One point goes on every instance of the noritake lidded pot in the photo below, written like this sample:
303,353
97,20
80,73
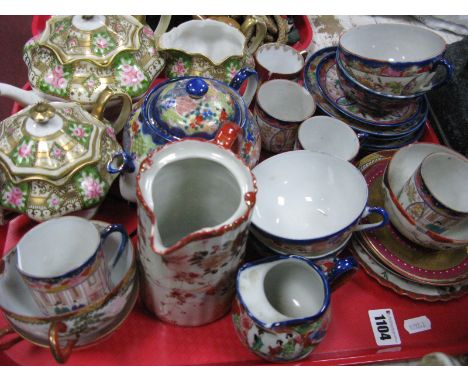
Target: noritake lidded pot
54,157
77,57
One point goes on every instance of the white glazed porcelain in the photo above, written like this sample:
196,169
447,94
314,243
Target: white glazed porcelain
281,106
310,202
63,271
76,329
195,200
328,135
275,61
401,167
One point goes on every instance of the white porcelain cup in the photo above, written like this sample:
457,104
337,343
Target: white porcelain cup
275,61
63,263
328,135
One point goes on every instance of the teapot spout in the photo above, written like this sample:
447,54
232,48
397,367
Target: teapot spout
24,97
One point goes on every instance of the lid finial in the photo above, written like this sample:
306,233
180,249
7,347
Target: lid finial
42,112
196,87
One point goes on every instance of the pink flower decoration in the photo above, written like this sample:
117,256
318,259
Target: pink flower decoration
101,42
148,32
25,150
79,132
57,152
131,76
110,132
92,188
55,77
179,68
388,71
14,197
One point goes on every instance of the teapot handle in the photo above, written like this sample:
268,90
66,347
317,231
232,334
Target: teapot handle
248,24
60,354
24,97
251,76
100,106
161,28
229,137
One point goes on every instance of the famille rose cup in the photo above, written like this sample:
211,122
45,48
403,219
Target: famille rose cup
282,307
328,135
278,61
281,106
63,264
435,195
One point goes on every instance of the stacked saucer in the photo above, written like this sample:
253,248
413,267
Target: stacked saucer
400,264
376,80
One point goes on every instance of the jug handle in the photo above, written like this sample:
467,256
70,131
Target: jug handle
23,97
60,354
248,24
8,344
161,28
251,76
100,106
341,267
229,137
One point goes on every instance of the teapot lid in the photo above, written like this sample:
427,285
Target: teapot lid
97,38
192,107
48,141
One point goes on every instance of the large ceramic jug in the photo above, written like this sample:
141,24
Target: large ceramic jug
195,200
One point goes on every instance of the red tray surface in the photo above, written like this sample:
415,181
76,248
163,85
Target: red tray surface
144,340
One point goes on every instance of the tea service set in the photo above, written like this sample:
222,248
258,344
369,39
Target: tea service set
189,159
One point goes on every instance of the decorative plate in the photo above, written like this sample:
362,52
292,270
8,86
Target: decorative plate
415,263
400,285
330,86
310,83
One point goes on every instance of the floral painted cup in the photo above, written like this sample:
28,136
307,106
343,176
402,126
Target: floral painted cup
394,59
278,61
435,195
282,307
281,106
62,262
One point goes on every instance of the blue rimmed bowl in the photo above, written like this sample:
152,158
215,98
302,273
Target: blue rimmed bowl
310,203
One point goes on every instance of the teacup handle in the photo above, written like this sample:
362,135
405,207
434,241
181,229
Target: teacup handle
229,137
123,244
448,73
252,77
61,354
340,268
100,106
369,210
261,31
8,344
127,164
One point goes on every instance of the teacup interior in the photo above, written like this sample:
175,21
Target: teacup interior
328,135
193,194
285,100
446,177
304,195
294,289
393,42
210,38
56,247
280,59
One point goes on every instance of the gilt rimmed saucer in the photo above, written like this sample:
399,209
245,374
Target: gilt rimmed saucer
415,263
310,83
85,326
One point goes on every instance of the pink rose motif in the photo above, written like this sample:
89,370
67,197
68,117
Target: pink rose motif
25,150
72,42
246,322
57,153
53,201
92,188
79,132
101,43
55,78
179,68
14,197
131,75
148,32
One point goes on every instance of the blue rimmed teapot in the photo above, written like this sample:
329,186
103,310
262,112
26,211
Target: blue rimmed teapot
190,107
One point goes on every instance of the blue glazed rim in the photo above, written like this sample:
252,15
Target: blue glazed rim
155,124
372,91
359,130
332,56
297,321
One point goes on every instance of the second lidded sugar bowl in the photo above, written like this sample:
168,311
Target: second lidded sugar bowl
54,157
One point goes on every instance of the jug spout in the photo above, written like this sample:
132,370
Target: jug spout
23,97
195,201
